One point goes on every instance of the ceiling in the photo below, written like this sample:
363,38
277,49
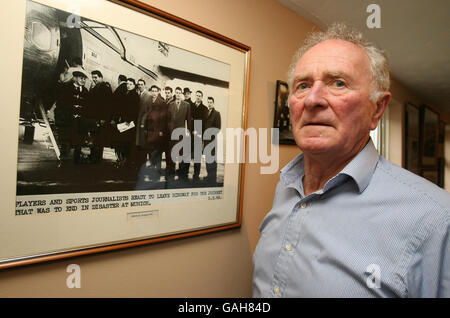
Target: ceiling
414,33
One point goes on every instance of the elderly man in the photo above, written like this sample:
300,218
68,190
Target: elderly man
345,222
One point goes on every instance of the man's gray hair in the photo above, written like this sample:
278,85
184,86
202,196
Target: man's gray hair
379,64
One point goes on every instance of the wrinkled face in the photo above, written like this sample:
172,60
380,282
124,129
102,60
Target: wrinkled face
329,101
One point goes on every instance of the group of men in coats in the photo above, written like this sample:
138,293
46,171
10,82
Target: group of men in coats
91,119
159,117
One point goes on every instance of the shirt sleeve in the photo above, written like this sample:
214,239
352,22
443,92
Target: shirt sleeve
429,271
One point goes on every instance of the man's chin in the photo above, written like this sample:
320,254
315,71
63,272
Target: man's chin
314,145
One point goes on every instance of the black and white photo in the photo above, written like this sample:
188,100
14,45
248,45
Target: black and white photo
112,127
97,112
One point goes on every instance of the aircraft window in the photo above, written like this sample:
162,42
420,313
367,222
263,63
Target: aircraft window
41,36
104,32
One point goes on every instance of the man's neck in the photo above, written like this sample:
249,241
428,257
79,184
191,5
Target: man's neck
319,168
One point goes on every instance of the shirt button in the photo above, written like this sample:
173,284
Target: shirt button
288,247
276,290
303,205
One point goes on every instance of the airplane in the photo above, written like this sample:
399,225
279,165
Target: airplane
50,46
54,38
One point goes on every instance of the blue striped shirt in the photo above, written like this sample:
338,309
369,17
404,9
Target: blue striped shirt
374,230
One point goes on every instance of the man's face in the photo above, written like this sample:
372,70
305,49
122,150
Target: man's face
130,85
178,94
96,79
199,97
154,92
141,86
80,80
329,102
168,93
187,95
210,103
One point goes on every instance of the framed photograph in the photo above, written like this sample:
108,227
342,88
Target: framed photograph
282,119
430,137
412,138
114,132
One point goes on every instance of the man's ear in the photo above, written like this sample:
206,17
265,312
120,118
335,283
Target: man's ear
382,103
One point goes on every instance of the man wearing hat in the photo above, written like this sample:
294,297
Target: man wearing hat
70,108
187,96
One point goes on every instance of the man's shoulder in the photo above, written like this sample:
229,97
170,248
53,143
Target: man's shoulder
398,180
68,85
146,94
183,104
215,116
202,107
169,101
105,84
104,87
121,89
159,100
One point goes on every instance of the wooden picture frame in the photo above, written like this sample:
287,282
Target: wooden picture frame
48,213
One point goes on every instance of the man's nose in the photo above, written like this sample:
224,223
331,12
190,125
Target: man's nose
316,96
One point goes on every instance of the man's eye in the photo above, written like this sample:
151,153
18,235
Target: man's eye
339,83
302,86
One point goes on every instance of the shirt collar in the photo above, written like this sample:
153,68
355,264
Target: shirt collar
360,169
